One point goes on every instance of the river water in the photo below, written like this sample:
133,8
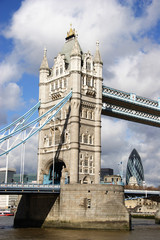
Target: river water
143,229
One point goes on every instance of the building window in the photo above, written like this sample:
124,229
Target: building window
56,71
89,139
64,82
56,84
84,113
61,70
85,139
88,65
60,83
57,137
88,81
86,162
89,115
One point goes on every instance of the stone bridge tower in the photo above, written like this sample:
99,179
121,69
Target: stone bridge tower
73,140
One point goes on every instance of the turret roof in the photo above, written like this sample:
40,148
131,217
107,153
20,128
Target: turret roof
44,64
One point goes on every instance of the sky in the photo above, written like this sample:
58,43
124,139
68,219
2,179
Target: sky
129,36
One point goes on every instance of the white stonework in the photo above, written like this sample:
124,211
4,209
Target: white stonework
74,138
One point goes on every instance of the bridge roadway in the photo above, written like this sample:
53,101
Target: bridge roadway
21,189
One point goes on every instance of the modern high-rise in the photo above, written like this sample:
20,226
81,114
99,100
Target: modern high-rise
134,168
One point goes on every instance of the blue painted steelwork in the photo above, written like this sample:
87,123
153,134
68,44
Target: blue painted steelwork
130,107
61,104
20,121
57,106
130,98
132,113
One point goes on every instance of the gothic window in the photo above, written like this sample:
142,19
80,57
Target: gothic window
56,84
85,139
80,170
83,81
88,65
60,83
81,163
61,70
57,137
89,115
56,71
90,171
92,82
86,162
84,113
65,82
89,139
85,170
88,81
81,155
92,115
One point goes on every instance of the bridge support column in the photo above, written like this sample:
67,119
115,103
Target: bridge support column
91,206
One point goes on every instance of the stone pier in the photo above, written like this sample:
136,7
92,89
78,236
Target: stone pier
93,206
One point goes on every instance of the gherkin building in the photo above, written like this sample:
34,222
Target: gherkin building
135,168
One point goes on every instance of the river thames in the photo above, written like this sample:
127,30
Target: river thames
142,229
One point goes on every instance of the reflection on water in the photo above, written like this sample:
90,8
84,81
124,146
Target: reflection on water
143,229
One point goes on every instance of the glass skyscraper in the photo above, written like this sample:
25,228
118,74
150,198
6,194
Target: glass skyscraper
135,168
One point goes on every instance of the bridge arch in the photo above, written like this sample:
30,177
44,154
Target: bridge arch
58,166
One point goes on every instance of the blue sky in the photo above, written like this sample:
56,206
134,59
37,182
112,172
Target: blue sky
129,36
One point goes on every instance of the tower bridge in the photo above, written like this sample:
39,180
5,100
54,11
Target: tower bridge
69,151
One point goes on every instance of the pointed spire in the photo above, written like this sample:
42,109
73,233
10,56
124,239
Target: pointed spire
44,64
97,57
76,48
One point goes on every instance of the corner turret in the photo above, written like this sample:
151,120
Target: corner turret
98,61
43,75
44,64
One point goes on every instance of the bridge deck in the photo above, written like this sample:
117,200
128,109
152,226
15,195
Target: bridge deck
20,189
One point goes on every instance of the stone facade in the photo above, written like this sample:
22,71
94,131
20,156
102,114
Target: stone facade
89,206
70,146
74,138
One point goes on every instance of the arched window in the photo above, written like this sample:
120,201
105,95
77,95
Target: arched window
61,69
89,139
88,81
84,113
56,84
85,138
88,64
65,82
60,84
56,71
89,115
57,136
